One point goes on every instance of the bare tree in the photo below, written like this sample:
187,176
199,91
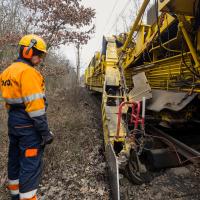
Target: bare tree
61,21
12,26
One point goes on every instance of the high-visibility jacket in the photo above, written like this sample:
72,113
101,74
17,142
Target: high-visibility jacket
22,88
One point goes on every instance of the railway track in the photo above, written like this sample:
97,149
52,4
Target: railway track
175,183
184,146
177,175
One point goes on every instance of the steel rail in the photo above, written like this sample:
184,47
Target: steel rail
183,149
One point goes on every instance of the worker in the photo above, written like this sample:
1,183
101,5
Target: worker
22,88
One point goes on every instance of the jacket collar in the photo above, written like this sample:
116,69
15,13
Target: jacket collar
19,59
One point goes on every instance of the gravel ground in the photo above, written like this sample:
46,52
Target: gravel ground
176,183
3,151
74,165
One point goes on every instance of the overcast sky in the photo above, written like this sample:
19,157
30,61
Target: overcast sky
111,16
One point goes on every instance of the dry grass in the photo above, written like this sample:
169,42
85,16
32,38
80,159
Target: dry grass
3,152
74,155
73,166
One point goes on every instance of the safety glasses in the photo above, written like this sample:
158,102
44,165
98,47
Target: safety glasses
43,55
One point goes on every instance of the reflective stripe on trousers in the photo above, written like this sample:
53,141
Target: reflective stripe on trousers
31,195
25,160
13,187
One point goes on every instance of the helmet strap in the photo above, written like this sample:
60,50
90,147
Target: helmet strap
31,45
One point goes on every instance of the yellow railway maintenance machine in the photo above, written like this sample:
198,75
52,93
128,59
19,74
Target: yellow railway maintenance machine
154,67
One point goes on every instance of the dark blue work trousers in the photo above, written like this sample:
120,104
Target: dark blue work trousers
20,166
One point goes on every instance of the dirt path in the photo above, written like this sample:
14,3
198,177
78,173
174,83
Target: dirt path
74,165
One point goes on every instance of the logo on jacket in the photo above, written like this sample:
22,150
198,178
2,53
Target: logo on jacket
6,83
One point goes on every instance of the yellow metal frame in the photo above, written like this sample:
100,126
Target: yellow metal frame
162,72
165,71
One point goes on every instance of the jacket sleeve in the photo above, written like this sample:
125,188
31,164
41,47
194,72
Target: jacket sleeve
33,97
7,106
41,125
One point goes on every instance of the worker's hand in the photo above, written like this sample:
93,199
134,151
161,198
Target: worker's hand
47,139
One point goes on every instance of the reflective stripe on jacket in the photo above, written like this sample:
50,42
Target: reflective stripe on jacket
22,88
21,83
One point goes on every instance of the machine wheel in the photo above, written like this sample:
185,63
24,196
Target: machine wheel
136,171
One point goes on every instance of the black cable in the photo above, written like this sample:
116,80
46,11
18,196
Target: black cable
190,68
159,33
196,13
157,21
